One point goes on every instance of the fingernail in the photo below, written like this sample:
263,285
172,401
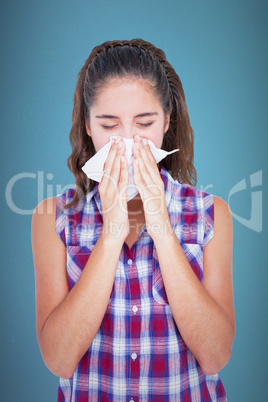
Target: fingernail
145,142
137,145
119,145
117,139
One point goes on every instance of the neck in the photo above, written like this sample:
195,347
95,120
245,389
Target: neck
135,206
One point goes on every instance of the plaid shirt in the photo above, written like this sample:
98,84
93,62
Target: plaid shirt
138,354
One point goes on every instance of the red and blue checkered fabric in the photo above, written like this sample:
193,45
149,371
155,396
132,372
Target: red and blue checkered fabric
138,354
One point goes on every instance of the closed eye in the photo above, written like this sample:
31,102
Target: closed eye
146,124
139,124
109,127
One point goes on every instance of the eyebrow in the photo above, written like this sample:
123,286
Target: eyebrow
108,116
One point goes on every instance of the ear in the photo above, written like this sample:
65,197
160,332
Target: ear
167,121
87,128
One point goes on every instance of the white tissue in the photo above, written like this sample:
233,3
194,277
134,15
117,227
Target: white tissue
93,168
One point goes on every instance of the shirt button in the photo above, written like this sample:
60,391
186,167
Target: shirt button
129,262
131,400
134,356
134,309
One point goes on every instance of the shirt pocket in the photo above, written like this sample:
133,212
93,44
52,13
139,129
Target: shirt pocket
77,257
194,255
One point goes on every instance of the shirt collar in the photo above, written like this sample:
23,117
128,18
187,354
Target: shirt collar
97,199
95,194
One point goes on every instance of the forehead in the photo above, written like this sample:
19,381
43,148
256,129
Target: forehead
126,89
128,80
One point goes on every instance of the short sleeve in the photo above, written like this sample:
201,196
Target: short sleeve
60,223
208,203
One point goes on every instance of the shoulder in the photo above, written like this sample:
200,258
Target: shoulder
44,213
44,235
175,190
181,191
50,216
47,206
49,212
48,226
223,225
222,211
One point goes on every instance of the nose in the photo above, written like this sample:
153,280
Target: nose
127,131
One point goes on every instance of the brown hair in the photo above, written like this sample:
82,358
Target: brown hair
140,59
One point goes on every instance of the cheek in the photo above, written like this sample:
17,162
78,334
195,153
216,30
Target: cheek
159,140
98,144
99,139
156,136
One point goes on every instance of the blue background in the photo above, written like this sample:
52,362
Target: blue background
219,49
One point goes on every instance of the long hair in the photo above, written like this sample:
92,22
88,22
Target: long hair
136,58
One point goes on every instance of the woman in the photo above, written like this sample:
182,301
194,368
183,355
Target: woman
144,313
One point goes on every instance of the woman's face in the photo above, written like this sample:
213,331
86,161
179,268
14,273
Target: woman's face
126,107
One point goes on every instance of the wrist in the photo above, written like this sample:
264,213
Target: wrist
110,244
162,233
114,239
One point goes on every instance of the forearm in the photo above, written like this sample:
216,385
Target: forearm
71,327
204,326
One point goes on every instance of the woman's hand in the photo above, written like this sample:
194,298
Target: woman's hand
113,193
151,188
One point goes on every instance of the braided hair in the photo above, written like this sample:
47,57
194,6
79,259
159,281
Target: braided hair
141,59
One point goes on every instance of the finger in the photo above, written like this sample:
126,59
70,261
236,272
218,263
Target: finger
142,149
138,180
109,163
144,167
146,151
116,166
148,164
148,159
123,181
